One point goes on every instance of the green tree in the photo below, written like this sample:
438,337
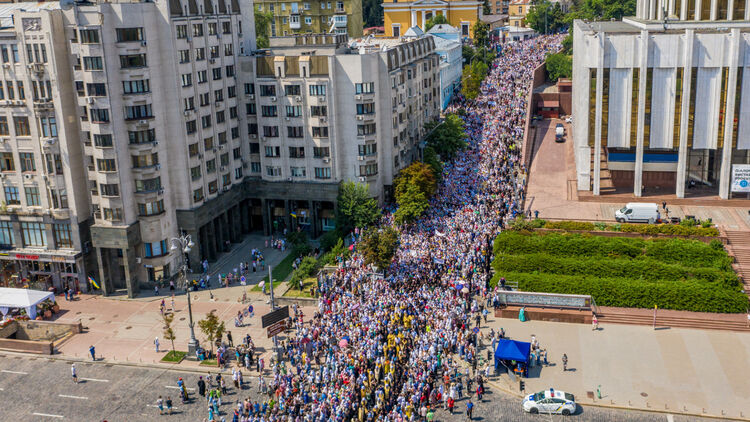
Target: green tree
372,13
431,158
262,28
435,20
419,175
168,334
472,78
481,34
559,65
212,328
411,205
446,137
545,17
307,268
486,8
601,10
567,43
356,208
378,246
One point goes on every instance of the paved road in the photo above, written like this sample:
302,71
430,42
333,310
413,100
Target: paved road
41,389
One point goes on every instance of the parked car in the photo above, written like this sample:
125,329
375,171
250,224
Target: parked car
550,401
634,212
559,133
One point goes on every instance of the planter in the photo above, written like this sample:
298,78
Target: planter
55,308
48,314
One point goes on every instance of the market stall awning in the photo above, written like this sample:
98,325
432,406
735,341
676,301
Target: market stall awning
22,298
512,350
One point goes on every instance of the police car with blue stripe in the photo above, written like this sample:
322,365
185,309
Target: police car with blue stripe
550,401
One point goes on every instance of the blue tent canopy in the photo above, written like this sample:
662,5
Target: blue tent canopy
513,350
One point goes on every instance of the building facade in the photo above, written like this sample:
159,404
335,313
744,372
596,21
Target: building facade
660,100
451,66
318,113
338,16
400,16
517,12
499,7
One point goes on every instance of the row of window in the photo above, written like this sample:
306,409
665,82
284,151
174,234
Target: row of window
291,110
292,131
320,172
199,54
186,79
47,126
211,27
35,234
270,90
294,152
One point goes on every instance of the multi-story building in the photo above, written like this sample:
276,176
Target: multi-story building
45,214
451,64
660,100
319,112
314,16
517,12
499,7
400,16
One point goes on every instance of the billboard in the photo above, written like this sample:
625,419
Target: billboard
741,178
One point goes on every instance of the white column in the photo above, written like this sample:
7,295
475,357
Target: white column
424,21
715,9
725,176
598,114
445,13
683,10
670,8
413,18
747,10
642,79
687,76
698,7
730,10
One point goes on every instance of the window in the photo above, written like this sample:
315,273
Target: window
213,187
238,173
321,152
214,51
396,30
151,208
212,28
148,185
113,214
218,95
4,53
320,131
295,131
233,112
252,128
235,132
200,54
255,167
129,34
89,36
368,170
34,234
204,98
11,195
202,76
195,173
224,159
267,90
231,91
156,248
11,92
184,56
4,129
226,27
367,108
318,110
318,90
21,93
230,71
190,127
106,164
254,148
293,111
189,103
250,109
206,121
364,88
268,111
368,149
220,117
211,166
187,79
298,171
54,164
216,72
99,115
249,89
36,53
112,189
130,61
193,149
237,153
147,160
368,129
14,53
6,233
465,28
63,238
228,49
296,152
273,151
181,31
48,126
136,87
138,112
197,29
6,162
142,136
27,161
92,63
271,131
291,89
322,172
273,171
96,90
198,195
102,140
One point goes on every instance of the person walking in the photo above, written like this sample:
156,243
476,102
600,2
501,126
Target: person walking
92,350
160,405
565,362
74,372
201,386
156,344
229,339
469,409
169,405
594,323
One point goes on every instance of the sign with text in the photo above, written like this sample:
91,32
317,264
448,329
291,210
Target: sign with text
276,328
741,178
275,316
550,300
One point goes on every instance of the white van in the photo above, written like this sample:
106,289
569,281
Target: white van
634,212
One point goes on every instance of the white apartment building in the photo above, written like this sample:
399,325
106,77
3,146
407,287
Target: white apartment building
660,100
319,112
451,68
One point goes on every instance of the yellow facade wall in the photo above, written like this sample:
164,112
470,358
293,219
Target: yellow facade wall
403,17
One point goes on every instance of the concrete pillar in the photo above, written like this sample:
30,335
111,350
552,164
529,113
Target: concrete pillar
102,280
730,10
698,7
683,10
715,9
245,216
725,176
642,79
424,20
413,18
129,282
287,217
685,113
264,215
598,123
747,10
194,256
312,218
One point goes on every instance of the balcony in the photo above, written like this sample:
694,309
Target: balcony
339,21
294,21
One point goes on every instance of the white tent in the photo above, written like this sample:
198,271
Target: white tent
22,298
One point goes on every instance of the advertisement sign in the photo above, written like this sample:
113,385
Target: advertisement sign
741,178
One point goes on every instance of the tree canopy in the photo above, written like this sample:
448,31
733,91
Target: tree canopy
378,246
545,17
435,20
212,327
601,10
411,204
356,208
262,28
372,13
419,175
447,137
559,65
481,34
431,159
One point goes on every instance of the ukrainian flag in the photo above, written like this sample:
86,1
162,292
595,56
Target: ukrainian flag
293,214
93,282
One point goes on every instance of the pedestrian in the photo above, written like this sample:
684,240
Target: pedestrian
229,339
664,205
169,405
156,344
74,372
565,362
160,405
156,290
594,323
536,214
93,352
171,285
469,408
66,293
201,386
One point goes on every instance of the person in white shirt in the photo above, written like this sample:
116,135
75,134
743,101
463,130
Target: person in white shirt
74,372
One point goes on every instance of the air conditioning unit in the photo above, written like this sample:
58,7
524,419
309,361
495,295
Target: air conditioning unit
28,176
186,113
251,96
322,99
288,179
225,189
142,122
90,100
156,143
327,159
214,150
362,179
222,169
6,65
360,117
161,191
143,43
361,158
273,99
359,97
158,166
286,118
298,98
254,135
322,119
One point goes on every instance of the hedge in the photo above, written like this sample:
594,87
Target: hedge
685,252
647,229
678,295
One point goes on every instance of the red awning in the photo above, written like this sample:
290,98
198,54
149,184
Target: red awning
549,104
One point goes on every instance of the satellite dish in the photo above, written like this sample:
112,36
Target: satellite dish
66,4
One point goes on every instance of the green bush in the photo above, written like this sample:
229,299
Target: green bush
670,229
520,223
570,225
331,257
307,268
678,295
329,239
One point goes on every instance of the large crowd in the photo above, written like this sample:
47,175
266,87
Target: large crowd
394,348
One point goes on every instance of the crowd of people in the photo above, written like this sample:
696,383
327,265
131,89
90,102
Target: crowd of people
398,347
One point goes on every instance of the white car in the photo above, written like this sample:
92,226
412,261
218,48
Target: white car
550,401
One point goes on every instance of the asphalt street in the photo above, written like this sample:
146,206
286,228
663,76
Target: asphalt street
42,389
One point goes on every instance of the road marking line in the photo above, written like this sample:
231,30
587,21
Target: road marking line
177,388
165,407
48,415
73,397
14,372
93,379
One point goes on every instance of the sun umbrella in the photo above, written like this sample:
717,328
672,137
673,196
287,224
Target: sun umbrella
343,343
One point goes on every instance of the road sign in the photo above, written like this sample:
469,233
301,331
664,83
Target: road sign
275,316
250,309
276,328
476,330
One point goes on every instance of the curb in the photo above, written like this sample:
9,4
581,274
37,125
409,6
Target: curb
640,409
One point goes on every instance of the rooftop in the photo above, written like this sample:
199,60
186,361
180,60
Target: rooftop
443,28
8,9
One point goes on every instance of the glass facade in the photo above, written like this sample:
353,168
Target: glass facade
722,107
677,107
634,108
647,113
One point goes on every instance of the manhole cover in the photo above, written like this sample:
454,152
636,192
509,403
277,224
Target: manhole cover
128,327
182,319
644,394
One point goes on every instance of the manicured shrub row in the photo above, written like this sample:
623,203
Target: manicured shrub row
688,253
671,229
678,295
642,268
647,229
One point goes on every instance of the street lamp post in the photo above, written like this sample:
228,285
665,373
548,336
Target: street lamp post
184,244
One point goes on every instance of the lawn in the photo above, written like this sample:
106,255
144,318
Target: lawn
625,272
305,292
209,362
280,272
174,356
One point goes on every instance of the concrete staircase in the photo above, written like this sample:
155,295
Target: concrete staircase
605,181
674,319
739,247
